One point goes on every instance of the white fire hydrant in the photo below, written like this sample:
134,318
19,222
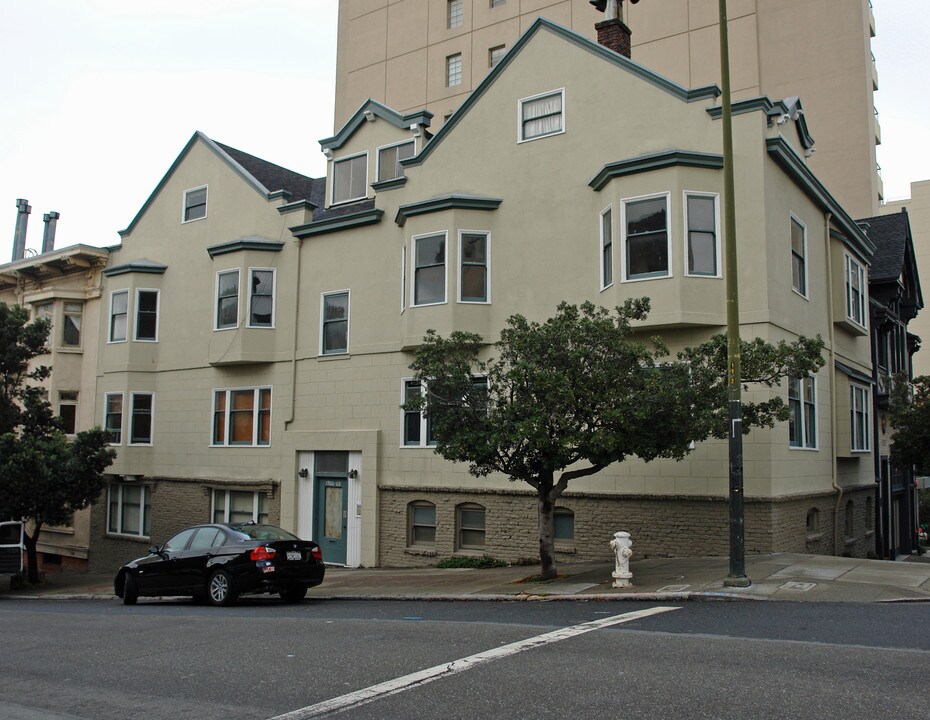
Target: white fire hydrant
623,551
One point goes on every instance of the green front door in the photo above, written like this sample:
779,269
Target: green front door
331,504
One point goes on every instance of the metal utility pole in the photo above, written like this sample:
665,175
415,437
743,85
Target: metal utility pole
737,576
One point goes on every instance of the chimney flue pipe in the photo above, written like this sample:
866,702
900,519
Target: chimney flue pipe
48,237
19,236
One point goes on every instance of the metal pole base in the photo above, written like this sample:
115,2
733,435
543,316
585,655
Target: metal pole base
740,581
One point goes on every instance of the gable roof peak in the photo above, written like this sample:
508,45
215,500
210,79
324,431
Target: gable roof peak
264,177
369,111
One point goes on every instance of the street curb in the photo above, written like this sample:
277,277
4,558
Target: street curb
473,597
533,597
696,596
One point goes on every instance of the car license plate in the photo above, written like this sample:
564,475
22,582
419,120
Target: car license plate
293,555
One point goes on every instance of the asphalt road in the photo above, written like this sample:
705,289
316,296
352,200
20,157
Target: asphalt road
62,660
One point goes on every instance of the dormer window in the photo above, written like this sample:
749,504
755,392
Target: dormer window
350,179
195,204
389,158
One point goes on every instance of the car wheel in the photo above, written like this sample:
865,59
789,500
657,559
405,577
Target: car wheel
294,594
220,588
130,589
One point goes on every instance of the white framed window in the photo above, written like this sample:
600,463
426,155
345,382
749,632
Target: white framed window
261,297
454,11
702,234
67,412
43,310
350,179
429,269
802,403
141,418
238,506
607,247
454,70
119,316
227,299
646,238
242,416
195,204
855,291
71,324
541,115
128,509
470,520
421,523
859,418
113,417
334,323
496,54
798,256
474,264
146,329
389,158
417,430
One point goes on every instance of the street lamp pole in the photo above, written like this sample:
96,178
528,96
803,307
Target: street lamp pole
737,576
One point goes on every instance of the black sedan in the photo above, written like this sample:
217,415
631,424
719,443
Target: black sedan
220,562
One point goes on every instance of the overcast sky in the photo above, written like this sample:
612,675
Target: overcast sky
99,97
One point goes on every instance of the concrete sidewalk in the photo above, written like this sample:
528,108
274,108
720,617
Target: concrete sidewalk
780,576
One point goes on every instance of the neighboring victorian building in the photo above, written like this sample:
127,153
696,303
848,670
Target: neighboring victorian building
918,215
260,324
64,286
431,54
896,298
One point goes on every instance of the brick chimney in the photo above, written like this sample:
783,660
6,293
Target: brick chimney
612,32
19,236
48,237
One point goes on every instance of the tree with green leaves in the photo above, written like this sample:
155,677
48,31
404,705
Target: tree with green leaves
44,476
909,411
563,399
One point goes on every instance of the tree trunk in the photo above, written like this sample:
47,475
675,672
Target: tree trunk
32,555
546,505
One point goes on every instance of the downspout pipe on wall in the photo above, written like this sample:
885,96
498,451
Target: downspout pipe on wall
290,419
832,336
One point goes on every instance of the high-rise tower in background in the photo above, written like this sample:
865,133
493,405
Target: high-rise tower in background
412,54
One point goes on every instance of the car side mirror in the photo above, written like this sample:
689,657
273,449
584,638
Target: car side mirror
154,550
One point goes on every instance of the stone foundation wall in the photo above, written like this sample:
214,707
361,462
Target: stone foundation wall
175,505
50,563
660,526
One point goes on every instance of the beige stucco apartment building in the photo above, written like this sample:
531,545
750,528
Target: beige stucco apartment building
413,54
259,325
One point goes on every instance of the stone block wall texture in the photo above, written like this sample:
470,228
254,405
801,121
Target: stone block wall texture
660,526
175,505
50,564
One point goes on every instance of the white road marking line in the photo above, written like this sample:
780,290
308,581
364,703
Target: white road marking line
417,679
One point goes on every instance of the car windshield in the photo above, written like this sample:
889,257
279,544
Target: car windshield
263,532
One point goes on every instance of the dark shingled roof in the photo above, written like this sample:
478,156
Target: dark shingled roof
322,213
890,234
274,177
